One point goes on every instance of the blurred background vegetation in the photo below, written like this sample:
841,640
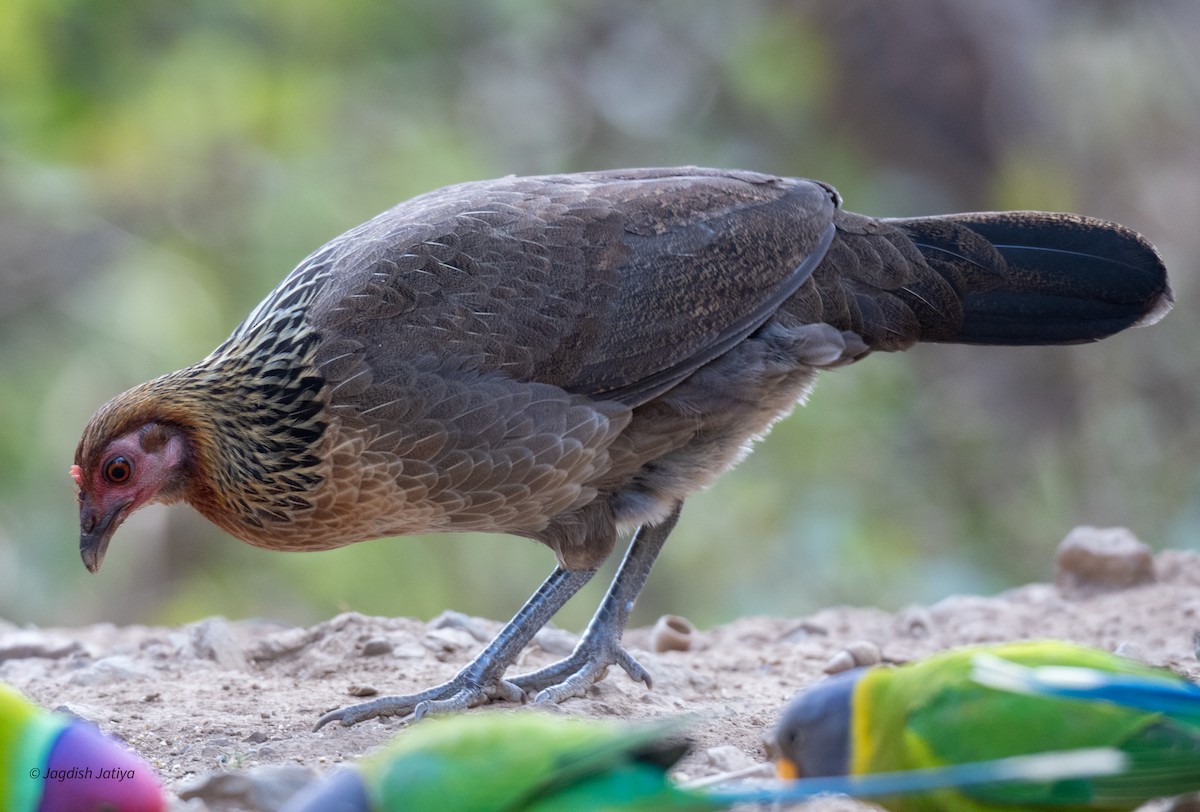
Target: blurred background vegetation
163,165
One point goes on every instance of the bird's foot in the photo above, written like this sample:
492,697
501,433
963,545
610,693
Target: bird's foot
482,680
466,690
586,665
600,645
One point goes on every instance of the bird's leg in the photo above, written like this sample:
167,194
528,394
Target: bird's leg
600,645
482,678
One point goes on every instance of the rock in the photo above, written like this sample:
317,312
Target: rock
88,713
194,805
212,639
449,640
20,645
259,789
281,644
457,620
672,633
109,670
555,641
1093,560
1130,650
806,630
727,759
376,646
854,655
408,648
915,622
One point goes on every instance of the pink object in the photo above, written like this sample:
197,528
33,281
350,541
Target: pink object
89,772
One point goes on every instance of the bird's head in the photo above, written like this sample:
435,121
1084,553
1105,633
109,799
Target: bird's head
812,738
127,458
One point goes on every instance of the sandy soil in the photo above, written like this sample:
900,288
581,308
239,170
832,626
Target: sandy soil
216,707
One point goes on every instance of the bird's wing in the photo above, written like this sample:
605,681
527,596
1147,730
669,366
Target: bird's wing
961,719
1163,752
971,723
613,285
1163,693
707,259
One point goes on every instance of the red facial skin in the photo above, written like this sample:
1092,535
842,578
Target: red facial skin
136,469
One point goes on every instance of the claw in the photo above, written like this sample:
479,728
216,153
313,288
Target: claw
634,669
586,666
459,693
469,698
353,714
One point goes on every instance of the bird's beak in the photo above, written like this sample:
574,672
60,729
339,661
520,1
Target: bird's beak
95,530
787,769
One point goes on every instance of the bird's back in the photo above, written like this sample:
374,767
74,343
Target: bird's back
934,712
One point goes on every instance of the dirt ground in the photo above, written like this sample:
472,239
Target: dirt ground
224,711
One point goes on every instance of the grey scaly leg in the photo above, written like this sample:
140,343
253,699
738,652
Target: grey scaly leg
600,645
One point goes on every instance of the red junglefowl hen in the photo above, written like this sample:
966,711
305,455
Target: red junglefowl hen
567,357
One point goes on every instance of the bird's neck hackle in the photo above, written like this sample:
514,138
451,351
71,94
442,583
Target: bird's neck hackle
253,415
266,425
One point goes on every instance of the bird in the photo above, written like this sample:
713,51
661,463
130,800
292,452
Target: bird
528,761
566,358
512,761
998,701
52,762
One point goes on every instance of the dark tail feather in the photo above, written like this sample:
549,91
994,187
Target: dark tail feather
1038,278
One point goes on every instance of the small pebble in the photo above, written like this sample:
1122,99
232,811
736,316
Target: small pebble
362,690
726,758
89,713
854,655
376,647
559,642
118,668
1092,560
258,789
1131,650
451,619
448,640
914,621
24,644
804,631
672,633
281,644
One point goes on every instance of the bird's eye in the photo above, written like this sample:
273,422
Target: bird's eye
118,470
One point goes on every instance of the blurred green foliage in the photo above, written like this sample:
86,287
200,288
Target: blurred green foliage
163,165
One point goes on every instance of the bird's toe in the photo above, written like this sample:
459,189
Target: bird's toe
572,676
458,694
